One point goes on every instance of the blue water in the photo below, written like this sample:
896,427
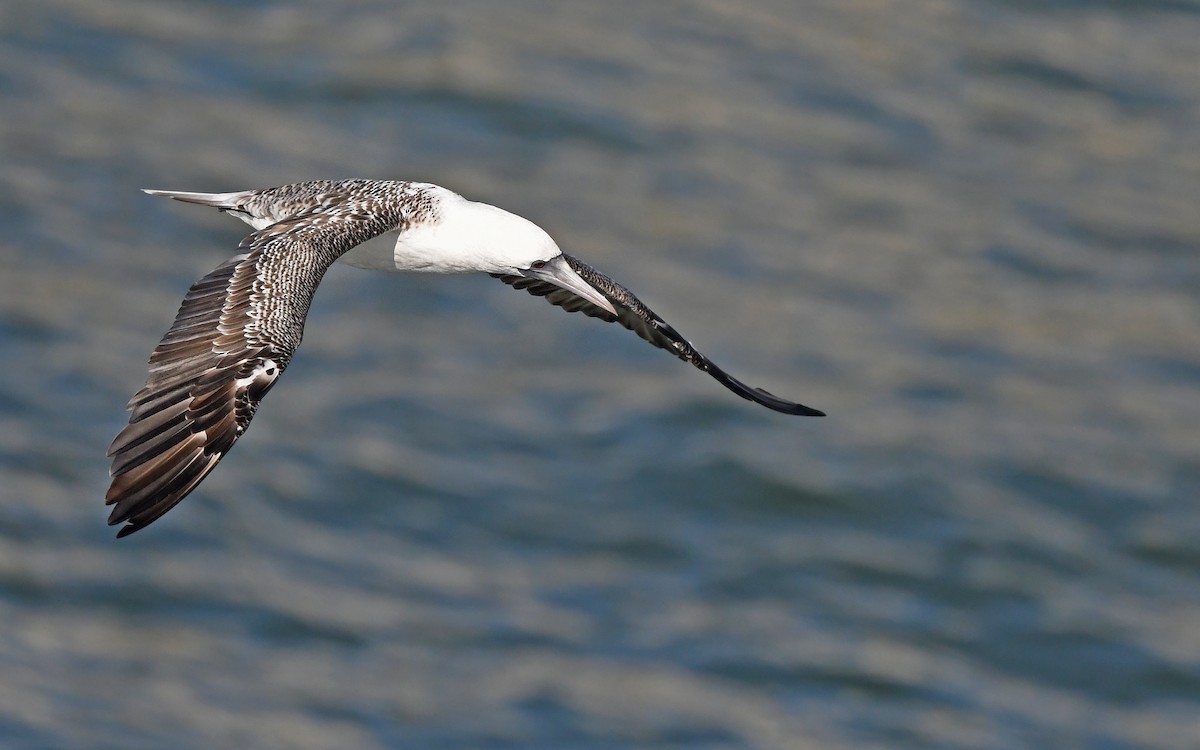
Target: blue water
968,231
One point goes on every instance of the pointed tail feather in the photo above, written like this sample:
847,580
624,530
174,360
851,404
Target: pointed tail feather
228,201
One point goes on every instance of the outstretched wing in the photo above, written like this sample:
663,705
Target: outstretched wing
643,321
232,338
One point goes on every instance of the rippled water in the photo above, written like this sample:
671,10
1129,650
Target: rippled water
967,230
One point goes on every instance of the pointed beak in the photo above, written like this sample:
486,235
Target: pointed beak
558,273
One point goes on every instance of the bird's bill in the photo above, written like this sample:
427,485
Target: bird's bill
557,272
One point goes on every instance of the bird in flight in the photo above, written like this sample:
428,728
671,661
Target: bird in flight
237,327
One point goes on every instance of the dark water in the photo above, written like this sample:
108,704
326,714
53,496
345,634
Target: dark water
967,230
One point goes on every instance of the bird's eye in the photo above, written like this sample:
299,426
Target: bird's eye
538,264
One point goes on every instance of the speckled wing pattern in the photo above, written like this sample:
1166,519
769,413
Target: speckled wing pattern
232,338
643,321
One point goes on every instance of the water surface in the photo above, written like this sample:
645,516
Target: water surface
967,230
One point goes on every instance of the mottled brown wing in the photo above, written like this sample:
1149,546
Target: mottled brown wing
643,321
232,338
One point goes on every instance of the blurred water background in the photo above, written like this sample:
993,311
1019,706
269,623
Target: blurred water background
968,230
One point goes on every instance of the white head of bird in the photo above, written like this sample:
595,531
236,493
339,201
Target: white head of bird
471,237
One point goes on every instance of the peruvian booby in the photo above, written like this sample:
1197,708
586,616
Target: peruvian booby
237,327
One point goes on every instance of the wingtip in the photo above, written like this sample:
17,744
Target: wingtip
789,407
115,518
799,410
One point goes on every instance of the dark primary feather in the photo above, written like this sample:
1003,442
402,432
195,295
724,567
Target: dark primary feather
643,321
233,336
190,412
